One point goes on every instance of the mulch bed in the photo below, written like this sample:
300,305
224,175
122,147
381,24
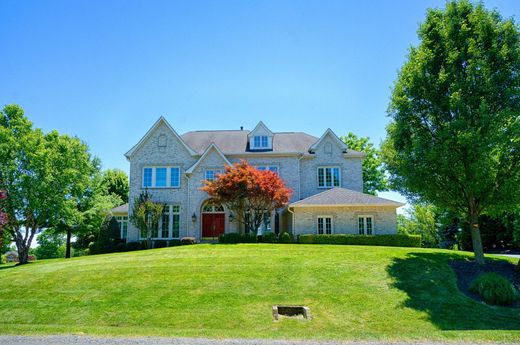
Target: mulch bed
467,271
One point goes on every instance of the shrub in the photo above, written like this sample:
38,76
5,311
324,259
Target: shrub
269,237
159,243
399,240
131,246
249,238
229,238
286,237
188,240
92,248
174,243
494,289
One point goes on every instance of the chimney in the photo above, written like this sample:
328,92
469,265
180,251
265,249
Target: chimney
241,128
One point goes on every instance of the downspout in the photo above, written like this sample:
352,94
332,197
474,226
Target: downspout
292,221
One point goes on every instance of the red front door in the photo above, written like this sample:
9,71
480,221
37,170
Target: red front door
212,224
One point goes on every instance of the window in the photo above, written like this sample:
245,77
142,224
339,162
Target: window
169,224
175,177
147,177
260,141
265,141
272,168
176,220
328,177
324,225
161,177
123,226
211,174
366,225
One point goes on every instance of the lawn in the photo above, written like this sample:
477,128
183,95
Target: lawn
224,291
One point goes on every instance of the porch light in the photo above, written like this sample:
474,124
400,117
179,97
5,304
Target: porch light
194,217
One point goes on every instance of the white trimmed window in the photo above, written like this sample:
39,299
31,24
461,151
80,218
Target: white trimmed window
273,168
123,226
328,177
161,177
366,225
169,224
261,141
212,174
324,225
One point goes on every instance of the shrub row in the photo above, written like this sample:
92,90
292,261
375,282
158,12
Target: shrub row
364,240
268,237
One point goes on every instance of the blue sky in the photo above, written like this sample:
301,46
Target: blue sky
106,70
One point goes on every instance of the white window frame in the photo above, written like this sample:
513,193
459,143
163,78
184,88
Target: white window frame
261,142
215,171
122,221
324,217
324,176
170,224
154,175
365,216
268,167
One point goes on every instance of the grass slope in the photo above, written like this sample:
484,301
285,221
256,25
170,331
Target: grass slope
354,292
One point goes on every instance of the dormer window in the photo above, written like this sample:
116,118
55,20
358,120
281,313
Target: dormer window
261,141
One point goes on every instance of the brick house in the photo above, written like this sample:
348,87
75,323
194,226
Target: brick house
324,174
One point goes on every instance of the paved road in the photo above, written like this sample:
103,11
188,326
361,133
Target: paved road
77,340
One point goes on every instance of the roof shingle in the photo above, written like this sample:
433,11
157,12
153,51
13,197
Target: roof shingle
344,197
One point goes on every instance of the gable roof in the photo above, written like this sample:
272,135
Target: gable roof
205,154
344,197
333,136
236,141
261,124
120,209
160,121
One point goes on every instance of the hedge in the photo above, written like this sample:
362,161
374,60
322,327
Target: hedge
363,240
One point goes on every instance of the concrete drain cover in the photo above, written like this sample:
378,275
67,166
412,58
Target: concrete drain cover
295,311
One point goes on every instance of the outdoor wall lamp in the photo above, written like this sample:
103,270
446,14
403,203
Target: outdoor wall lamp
194,217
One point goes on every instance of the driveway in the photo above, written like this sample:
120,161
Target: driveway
77,340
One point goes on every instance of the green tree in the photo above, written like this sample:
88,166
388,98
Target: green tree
49,244
115,182
454,135
146,215
109,236
374,178
43,174
420,219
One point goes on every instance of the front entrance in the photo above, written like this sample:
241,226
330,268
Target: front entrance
213,220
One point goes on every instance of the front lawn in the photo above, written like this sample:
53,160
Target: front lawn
353,292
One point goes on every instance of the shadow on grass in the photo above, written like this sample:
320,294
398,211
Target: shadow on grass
431,287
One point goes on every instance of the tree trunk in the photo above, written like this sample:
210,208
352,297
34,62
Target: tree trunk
67,249
23,252
475,236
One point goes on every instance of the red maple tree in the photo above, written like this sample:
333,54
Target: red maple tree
249,193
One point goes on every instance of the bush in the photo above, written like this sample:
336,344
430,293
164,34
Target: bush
364,240
174,243
494,289
131,246
229,238
269,237
249,238
286,237
160,244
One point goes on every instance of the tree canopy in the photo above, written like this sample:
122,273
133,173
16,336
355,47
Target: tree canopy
249,193
115,182
374,178
44,175
454,135
146,215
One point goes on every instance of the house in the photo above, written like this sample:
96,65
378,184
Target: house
324,174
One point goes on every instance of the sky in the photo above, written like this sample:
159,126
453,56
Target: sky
106,70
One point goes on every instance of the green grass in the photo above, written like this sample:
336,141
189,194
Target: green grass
225,291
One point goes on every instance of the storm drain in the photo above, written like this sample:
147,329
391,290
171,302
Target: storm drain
293,311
